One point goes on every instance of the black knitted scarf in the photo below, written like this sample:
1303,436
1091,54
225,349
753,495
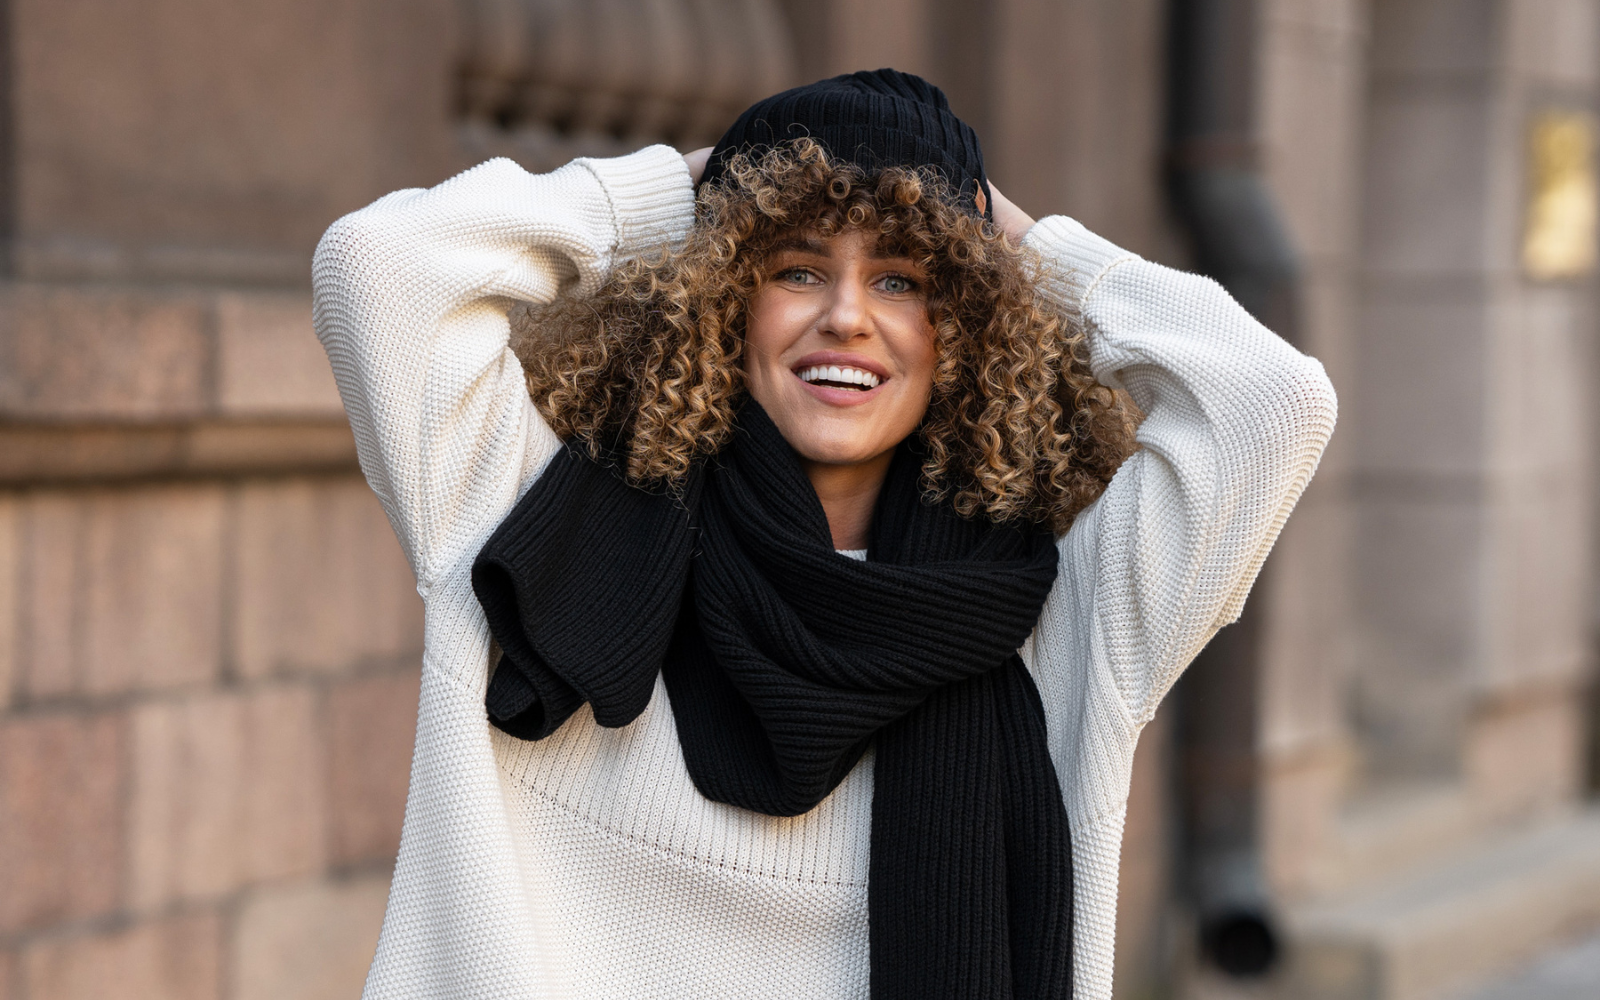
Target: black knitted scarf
784,660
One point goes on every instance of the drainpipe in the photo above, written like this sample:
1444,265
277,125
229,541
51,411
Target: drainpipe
1221,198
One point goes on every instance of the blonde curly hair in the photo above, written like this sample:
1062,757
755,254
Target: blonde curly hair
648,370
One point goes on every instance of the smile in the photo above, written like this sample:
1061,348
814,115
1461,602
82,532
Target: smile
839,377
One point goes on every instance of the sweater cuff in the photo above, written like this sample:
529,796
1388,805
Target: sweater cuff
652,201
1079,257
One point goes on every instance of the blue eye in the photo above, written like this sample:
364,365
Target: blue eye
797,276
898,284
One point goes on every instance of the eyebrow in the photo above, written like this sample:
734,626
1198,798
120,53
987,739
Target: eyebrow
814,244
804,244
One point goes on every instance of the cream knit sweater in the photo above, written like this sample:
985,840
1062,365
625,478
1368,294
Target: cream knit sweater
587,865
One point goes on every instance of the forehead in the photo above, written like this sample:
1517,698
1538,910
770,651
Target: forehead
849,243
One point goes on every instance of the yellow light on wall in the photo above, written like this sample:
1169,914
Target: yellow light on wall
1564,203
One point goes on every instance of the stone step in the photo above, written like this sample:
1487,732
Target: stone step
1571,972
1383,835
1438,928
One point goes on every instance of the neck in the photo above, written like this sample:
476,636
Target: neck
849,493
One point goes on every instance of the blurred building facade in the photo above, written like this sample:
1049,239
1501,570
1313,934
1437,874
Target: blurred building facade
209,641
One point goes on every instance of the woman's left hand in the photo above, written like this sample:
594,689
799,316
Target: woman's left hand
697,161
1008,218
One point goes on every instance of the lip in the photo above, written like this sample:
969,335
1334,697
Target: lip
840,397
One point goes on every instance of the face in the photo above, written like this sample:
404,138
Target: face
839,350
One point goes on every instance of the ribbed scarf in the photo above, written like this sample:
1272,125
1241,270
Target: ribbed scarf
784,660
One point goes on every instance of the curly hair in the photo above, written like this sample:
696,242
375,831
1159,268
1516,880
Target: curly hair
648,370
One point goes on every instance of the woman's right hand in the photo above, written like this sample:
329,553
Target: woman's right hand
697,161
1008,218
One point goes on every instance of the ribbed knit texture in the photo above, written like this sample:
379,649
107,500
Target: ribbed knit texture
874,119
785,660
587,864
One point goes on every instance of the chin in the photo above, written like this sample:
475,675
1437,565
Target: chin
815,444
837,435
833,453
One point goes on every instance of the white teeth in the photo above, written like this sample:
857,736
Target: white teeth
842,374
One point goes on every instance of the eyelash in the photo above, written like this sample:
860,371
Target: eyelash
911,283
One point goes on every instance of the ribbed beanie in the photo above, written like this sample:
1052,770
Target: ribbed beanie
882,118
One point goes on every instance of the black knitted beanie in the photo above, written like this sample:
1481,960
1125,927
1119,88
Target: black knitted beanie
875,119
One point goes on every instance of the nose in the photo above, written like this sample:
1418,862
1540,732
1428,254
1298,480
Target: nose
849,312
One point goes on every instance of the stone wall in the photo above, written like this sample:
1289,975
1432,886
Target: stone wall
205,737
208,637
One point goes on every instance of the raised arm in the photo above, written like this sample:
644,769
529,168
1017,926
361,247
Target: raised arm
1236,421
411,299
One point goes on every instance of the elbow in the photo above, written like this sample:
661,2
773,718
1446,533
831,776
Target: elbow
359,253
336,252
1319,401
1308,410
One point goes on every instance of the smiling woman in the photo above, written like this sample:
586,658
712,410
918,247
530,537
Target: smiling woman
794,601
840,352
800,260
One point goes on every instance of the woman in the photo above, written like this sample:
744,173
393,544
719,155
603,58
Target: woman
797,566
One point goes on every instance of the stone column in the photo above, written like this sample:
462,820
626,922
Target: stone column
1311,114
1472,493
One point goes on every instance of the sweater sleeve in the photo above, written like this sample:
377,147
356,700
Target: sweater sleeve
411,301
1235,424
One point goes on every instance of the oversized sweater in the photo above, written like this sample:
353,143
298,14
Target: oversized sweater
587,865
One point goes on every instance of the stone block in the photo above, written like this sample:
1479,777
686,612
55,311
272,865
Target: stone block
122,590
71,352
311,941
1344,17
1029,131
172,959
1540,584
10,604
1305,589
226,791
1421,371
269,362
1312,84
1427,182
1450,923
152,598
321,581
1418,614
62,786
186,139
49,642
1556,42
1301,792
891,33
371,728
1524,752
1434,38
1540,405
1105,146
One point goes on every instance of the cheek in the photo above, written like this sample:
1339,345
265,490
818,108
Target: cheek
918,353
769,329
